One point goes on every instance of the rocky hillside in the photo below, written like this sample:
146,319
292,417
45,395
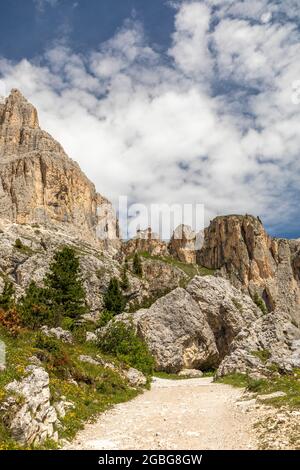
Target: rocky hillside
241,249
39,183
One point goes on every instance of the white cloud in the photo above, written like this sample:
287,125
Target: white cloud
160,127
42,4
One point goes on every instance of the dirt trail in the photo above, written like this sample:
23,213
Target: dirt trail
174,414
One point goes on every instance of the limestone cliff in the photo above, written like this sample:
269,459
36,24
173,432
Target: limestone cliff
242,250
39,183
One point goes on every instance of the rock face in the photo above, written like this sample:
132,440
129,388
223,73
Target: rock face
271,340
193,328
145,241
28,413
183,244
39,183
242,250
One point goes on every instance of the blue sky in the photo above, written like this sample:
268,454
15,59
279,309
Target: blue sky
188,101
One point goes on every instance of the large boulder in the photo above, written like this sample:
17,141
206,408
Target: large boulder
192,328
268,344
27,412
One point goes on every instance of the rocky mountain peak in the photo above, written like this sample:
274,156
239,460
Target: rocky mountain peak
39,183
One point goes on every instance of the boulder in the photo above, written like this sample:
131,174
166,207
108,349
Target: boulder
191,373
193,328
271,342
134,377
27,412
58,333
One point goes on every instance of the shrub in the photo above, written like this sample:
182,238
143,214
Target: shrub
125,281
114,300
121,341
18,244
11,321
34,308
137,265
7,299
64,284
260,303
105,318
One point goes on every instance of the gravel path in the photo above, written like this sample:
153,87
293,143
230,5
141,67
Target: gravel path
174,414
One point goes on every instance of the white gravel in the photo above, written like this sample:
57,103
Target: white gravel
174,414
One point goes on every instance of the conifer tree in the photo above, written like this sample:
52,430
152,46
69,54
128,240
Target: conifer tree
7,297
137,265
64,285
114,300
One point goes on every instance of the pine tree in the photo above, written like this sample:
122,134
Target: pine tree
34,308
64,284
7,297
137,265
114,300
124,280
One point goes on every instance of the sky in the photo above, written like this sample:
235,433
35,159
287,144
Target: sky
168,102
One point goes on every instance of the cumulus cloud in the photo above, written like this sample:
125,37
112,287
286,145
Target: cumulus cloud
209,121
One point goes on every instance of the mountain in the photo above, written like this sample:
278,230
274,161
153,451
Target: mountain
39,183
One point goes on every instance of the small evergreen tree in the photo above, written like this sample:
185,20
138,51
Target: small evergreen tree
114,300
34,308
137,265
124,280
7,299
64,285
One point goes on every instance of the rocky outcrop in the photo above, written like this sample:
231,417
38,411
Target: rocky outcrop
193,328
58,333
183,244
27,412
145,241
243,252
271,343
40,184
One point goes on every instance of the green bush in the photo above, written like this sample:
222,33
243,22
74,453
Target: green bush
7,299
137,265
121,341
105,318
34,308
260,303
114,300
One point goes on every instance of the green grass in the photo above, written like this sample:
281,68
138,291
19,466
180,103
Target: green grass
289,383
97,390
263,354
190,270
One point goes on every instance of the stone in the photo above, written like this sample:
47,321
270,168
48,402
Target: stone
270,396
193,328
134,377
190,373
27,412
90,360
91,337
58,333
268,344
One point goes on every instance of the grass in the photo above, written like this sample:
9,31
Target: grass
97,388
289,384
190,270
